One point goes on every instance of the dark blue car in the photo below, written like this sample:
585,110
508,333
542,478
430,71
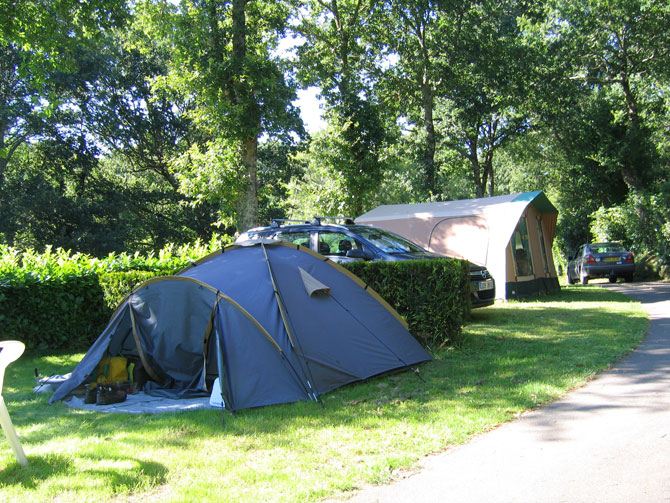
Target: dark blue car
350,242
601,260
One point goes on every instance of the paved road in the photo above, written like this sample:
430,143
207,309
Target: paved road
606,442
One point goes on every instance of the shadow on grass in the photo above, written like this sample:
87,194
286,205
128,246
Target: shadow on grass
123,473
39,469
577,293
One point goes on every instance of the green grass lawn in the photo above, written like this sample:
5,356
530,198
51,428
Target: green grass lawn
516,356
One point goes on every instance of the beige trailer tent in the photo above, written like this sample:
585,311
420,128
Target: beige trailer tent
511,235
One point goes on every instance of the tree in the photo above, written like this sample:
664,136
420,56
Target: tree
277,165
21,116
54,30
222,65
484,103
335,56
622,48
423,35
606,110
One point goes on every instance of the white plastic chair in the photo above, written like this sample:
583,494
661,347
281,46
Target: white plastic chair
9,352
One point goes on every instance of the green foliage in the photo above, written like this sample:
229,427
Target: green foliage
278,163
321,189
611,224
221,63
129,125
641,223
55,30
58,188
433,296
209,173
649,267
117,285
337,59
52,312
62,299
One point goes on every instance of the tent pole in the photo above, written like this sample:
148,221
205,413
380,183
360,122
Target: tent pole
219,364
279,301
220,368
314,392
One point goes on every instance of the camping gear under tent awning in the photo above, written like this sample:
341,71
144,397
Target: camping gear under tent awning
480,231
276,322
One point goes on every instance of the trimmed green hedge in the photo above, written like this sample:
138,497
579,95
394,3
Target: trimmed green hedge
64,312
432,295
70,311
60,299
67,311
117,285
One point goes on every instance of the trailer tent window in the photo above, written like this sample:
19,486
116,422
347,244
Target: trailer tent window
521,250
543,246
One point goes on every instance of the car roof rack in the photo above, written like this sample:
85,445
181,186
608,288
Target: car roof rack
276,222
347,220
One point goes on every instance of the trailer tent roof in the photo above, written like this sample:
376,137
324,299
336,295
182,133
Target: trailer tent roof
478,230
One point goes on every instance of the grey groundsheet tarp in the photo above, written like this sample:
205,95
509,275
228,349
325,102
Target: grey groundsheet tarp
141,403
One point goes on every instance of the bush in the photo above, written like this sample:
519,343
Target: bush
116,286
59,299
432,295
649,267
641,223
66,311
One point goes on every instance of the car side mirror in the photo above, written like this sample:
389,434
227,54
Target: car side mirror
359,253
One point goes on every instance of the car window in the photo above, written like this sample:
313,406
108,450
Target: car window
387,241
296,238
336,243
607,248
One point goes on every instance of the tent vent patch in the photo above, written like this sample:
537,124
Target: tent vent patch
313,285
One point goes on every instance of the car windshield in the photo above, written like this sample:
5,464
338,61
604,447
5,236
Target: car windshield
606,248
387,241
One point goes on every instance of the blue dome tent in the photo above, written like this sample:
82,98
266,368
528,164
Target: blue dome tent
276,323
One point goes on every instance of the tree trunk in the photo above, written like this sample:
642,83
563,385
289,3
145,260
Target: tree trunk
473,157
630,168
491,183
488,168
429,150
247,207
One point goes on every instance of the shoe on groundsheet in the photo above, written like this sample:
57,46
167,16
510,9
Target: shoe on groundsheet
91,395
108,396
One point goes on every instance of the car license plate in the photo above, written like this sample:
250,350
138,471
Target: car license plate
611,259
486,285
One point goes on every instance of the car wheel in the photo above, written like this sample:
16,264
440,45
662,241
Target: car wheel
583,278
570,280
628,278
612,279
